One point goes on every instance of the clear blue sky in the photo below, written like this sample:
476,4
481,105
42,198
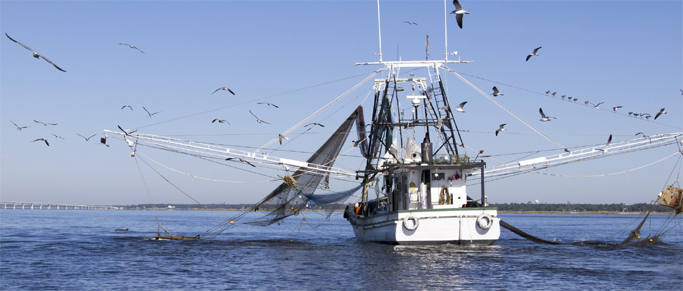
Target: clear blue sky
627,53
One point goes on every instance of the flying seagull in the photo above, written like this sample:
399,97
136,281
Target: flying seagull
224,88
220,121
57,136
269,104
410,23
543,117
535,53
35,54
461,107
314,123
597,106
615,108
609,140
132,46
126,132
500,129
357,142
281,137
459,12
42,140
18,127
124,106
661,111
86,138
496,92
257,119
150,114
43,123
644,136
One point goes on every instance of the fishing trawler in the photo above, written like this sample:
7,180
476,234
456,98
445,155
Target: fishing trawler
421,195
409,193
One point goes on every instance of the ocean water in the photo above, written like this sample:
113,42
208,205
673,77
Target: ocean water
79,250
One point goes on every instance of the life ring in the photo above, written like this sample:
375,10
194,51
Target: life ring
484,221
416,223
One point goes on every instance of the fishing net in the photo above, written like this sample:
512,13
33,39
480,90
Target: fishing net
294,194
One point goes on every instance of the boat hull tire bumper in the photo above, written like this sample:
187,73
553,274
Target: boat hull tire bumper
484,221
411,226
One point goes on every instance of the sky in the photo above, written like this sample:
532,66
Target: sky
300,55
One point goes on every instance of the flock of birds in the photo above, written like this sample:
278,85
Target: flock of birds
459,13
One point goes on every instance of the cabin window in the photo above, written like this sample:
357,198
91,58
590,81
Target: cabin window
438,176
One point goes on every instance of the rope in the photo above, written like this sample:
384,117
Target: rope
609,174
507,110
321,109
253,100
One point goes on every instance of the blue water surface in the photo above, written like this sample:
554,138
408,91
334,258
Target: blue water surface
79,250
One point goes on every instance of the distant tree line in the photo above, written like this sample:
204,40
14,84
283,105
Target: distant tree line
638,207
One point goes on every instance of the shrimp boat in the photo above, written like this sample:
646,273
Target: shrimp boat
421,195
409,193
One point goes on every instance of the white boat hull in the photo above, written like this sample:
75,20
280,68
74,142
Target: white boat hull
430,226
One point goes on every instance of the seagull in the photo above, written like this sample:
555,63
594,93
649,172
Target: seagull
43,123
459,12
57,136
597,106
220,121
86,138
630,113
460,107
496,92
35,54
150,114
257,119
609,140
132,46
241,160
224,88
586,102
42,140
18,127
554,93
543,117
314,123
535,53
269,104
125,132
281,137
661,111
124,106
644,136
410,23
547,92
576,99
500,129
615,108
357,142
564,96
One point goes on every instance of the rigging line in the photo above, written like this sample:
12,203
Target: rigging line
206,158
322,109
507,110
328,116
559,98
181,191
610,174
253,100
149,194
202,178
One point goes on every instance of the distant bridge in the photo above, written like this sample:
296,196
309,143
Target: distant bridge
35,205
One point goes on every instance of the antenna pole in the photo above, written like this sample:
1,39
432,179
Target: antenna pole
445,26
379,27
